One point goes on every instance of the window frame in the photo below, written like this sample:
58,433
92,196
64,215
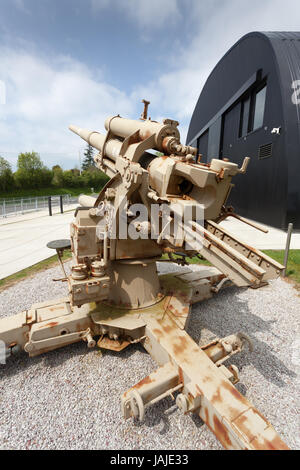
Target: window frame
253,106
251,95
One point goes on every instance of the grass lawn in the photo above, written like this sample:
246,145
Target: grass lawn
27,272
292,274
293,267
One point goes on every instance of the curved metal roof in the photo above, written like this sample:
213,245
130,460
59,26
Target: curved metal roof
286,49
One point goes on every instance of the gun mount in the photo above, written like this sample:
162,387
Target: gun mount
154,205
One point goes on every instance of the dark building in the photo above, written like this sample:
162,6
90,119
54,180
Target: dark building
250,106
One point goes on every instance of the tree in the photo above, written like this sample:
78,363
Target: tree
29,162
31,172
72,179
6,175
58,177
88,161
56,168
94,179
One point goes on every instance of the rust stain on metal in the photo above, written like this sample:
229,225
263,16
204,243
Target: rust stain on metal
234,392
207,378
112,345
243,426
180,375
168,328
179,313
158,332
145,381
52,324
217,398
274,444
180,348
53,309
222,433
207,417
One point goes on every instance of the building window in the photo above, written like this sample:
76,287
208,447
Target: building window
252,111
245,117
259,108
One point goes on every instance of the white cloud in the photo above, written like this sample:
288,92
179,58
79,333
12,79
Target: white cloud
43,97
217,26
146,14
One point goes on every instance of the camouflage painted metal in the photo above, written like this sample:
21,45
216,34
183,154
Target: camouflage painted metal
116,297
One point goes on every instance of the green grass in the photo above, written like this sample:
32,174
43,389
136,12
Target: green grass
46,192
293,267
31,270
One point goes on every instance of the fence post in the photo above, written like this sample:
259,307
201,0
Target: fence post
61,204
50,206
4,208
287,248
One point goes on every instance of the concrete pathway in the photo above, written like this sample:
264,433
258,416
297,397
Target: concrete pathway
275,239
23,239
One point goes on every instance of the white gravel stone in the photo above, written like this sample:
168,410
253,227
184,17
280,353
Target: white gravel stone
70,398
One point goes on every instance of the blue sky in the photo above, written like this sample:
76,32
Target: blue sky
79,61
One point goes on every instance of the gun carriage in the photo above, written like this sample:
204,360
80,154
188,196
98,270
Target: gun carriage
116,297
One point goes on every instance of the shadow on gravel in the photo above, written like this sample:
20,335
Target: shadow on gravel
158,414
222,315
226,313
17,364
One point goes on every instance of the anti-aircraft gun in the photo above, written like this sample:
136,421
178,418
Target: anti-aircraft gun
165,204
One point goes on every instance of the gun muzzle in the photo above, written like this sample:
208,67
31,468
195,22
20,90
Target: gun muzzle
97,140
91,137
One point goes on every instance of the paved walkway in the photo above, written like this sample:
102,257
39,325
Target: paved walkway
23,239
275,239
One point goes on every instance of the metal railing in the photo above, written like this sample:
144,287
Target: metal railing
17,206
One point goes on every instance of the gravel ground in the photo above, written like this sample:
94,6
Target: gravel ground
70,398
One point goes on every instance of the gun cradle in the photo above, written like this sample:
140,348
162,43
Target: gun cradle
117,298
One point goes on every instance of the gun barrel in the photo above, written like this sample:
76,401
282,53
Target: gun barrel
97,140
91,137
123,128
